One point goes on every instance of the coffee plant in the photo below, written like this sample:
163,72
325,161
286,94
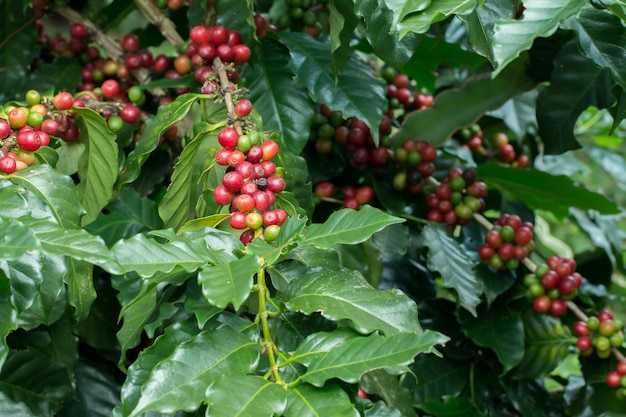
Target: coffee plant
312,208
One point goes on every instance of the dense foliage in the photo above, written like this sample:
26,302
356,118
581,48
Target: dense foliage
312,208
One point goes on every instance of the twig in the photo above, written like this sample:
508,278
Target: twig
154,15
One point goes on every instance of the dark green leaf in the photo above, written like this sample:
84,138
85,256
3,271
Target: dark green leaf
229,283
79,245
451,406
346,355
602,39
529,397
80,291
97,169
456,108
245,396
380,409
392,240
342,23
8,407
388,387
8,316
481,21
540,190
40,383
179,380
348,226
570,92
283,104
547,344
237,14
380,34
541,19
420,20
311,61
499,328
305,400
436,377
166,116
17,239
457,270
344,294
134,317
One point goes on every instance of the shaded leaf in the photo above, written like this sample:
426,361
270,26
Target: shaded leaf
283,104
350,356
134,317
457,270
224,284
342,22
419,21
451,406
481,21
311,62
344,294
540,190
241,396
179,380
436,377
97,169
8,316
541,19
388,387
349,227
305,400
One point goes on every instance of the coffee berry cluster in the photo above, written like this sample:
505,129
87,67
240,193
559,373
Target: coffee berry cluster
351,197
507,243
455,200
552,284
599,334
418,159
250,182
402,91
617,379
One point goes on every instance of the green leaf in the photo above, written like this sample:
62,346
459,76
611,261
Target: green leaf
229,283
342,21
305,400
541,19
570,93
348,226
40,383
345,294
501,329
97,169
62,74
540,190
388,387
166,116
455,108
55,190
17,239
8,407
8,316
402,8
547,343
178,381
78,244
436,377
283,104
80,290
237,14
134,317
419,21
602,39
392,240
380,33
457,270
380,409
481,21
177,205
311,62
245,396
346,355
451,406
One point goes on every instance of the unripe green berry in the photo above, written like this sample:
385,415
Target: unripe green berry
507,233
530,279
457,183
593,323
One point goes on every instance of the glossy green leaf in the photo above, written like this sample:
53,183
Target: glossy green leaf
55,190
8,316
570,92
460,107
167,115
97,169
392,240
129,214
547,342
529,397
78,244
134,317
344,294
283,104
380,409
8,407
541,19
305,400
141,368
17,239
245,396
381,383
436,377
419,21
62,74
229,283
451,406
237,14
41,384
500,328
311,62
447,257
602,39
80,290
481,21
178,381
342,22
348,226
380,34
402,8
540,190
357,354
